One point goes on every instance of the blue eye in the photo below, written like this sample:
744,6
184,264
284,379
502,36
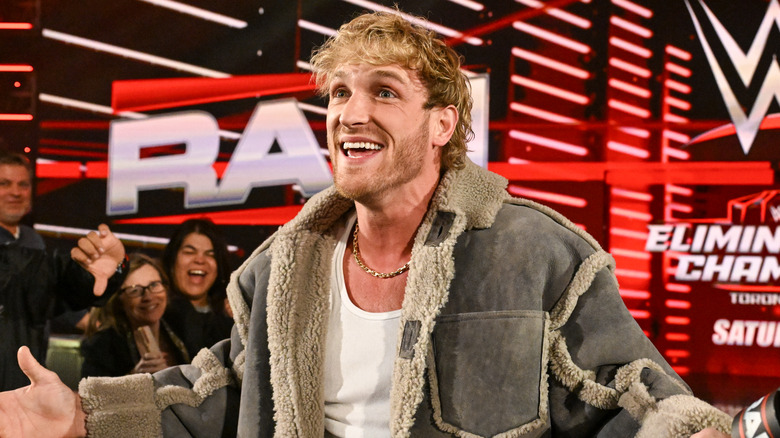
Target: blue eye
386,93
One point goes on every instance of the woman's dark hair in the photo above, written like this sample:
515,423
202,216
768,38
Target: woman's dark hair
112,315
216,294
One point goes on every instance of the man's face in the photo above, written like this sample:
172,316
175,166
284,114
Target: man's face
378,131
15,194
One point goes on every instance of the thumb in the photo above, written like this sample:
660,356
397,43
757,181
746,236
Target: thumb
31,368
103,230
100,285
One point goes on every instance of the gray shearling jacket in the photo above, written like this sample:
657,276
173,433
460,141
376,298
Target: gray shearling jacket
512,326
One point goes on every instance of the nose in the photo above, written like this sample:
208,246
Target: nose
17,190
356,111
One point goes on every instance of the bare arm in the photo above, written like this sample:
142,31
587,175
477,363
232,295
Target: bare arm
45,408
99,253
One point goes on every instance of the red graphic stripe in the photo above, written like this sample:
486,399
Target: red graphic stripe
715,173
15,26
747,288
741,424
152,94
764,419
772,121
506,21
254,216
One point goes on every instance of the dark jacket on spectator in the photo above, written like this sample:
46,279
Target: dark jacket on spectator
196,329
28,238
111,353
31,283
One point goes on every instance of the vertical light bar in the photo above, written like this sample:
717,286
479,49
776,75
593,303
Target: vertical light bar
15,26
554,38
542,114
551,90
16,68
631,47
629,88
631,27
629,67
550,63
628,108
633,7
678,53
549,143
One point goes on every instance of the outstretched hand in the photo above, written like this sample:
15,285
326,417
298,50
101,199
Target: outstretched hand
45,408
99,253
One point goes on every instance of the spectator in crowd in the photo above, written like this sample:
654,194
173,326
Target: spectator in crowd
35,285
196,261
16,201
129,334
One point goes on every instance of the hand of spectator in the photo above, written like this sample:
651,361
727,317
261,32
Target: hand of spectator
99,253
46,408
710,433
151,363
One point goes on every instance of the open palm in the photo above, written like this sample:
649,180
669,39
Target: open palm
45,408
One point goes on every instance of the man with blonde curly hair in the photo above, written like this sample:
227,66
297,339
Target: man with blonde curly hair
415,298
385,39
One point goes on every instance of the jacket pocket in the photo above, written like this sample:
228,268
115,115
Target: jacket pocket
488,373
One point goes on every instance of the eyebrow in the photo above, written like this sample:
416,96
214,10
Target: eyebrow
391,74
188,246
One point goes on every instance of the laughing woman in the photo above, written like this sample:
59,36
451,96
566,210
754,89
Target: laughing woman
196,260
129,334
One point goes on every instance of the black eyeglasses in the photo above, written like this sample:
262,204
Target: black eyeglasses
137,290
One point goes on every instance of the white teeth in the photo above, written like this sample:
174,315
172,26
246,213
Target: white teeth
197,272
362,145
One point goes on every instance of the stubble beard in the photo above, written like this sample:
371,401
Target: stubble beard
403,167
12,217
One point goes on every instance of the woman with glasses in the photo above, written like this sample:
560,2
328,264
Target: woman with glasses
128,335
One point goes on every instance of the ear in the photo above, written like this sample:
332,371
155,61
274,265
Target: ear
443,123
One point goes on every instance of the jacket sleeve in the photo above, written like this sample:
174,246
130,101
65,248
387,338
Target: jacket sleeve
608,374
105,353
75,284
196,400
135,405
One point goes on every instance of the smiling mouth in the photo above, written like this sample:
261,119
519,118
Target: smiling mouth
360,148
197,272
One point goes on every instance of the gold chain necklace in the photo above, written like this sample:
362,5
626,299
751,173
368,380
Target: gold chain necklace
356,253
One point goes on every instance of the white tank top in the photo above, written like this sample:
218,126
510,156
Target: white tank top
359,354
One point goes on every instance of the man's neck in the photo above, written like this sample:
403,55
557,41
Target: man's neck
389,227
13,229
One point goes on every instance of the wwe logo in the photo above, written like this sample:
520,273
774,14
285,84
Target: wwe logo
746,125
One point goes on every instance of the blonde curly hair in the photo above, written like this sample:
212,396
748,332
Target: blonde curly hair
383,38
